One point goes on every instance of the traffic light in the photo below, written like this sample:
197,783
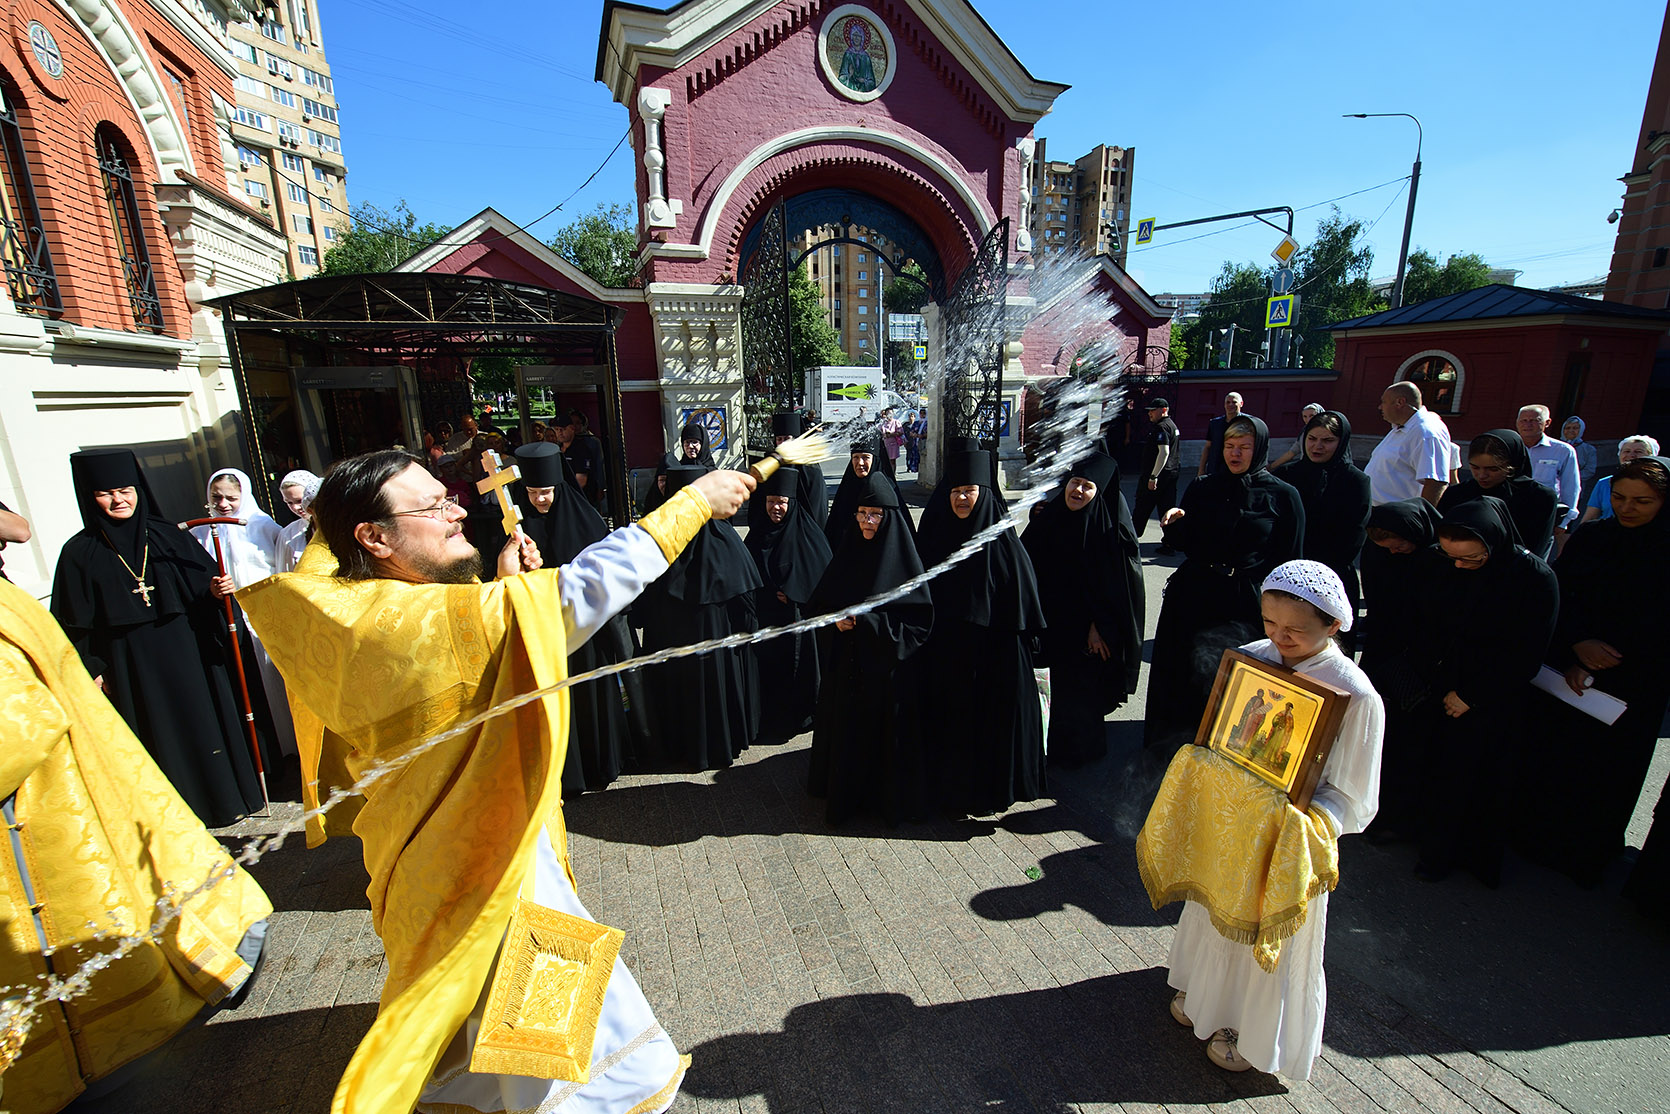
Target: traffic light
1226,351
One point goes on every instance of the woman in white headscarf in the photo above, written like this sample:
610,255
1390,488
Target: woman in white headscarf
298,489
247,556
1252,1018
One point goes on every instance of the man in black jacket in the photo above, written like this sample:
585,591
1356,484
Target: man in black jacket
1157,480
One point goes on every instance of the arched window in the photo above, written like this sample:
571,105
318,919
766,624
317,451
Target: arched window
1439,377
29,276
122,209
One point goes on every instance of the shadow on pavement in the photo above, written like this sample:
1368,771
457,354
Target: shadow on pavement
1104,1040
761,797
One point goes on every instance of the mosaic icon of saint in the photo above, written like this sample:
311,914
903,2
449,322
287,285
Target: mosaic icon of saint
858,71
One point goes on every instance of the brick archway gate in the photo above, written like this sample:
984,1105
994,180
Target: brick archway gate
740,105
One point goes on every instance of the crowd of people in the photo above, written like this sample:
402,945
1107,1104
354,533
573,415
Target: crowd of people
1492,615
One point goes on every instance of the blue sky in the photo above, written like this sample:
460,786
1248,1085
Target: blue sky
1531,112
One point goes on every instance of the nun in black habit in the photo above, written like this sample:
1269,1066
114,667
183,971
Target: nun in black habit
1335,493
1234,527
867,748
1084,549
791,554
133,592
705,709
692,451
812,494
1401,567
1501,467
1582,777
986,744
867,453
938,506
1489,620
608,723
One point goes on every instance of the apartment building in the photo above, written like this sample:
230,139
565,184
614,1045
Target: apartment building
1083,205
288,129
850,279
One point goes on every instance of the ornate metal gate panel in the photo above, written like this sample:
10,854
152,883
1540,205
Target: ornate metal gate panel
976,332
767,353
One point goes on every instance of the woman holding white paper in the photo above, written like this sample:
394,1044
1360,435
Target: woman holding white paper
1610,640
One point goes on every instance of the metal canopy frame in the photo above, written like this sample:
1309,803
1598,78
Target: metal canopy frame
419,313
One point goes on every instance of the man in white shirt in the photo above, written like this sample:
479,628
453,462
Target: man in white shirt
1553,464
1413,459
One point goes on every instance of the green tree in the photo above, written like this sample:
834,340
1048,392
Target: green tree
377,239
902,294
813,338
865,357
1426,278
1332,278
1237,298
603,244
1180,351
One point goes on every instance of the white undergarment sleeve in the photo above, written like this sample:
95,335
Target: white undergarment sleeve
604,578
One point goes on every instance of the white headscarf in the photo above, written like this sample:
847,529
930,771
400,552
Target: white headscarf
247,550
1315,583
307,481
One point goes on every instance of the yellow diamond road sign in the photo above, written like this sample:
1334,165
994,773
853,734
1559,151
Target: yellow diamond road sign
1286,250
1145,230
1278,312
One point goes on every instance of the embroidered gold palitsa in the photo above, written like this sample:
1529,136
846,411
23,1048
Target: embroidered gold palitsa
1219,836
100,835
379,667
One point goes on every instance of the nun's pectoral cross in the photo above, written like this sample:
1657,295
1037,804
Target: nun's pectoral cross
144,592
498,481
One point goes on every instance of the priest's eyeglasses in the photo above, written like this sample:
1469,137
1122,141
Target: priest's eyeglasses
439,510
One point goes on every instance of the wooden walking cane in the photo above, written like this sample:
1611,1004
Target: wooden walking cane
237,653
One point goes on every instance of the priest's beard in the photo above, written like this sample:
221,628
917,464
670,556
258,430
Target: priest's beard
464,570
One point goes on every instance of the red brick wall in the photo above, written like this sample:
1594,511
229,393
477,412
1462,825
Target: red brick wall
58,119
1059,331
716,118
1505,367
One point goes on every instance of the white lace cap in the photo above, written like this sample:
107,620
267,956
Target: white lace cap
1315,583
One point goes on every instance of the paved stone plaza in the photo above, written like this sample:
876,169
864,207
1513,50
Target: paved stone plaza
1008,963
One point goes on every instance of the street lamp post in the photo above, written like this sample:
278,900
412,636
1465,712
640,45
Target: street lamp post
1409,214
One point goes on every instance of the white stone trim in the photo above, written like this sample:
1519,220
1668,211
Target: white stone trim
805,137
659,212
205,27
1455,362
872,19
107,28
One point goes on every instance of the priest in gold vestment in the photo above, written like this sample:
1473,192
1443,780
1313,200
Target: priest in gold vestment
386,637
95,833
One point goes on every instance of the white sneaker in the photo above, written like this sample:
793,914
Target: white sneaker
1177,1010
1223,1050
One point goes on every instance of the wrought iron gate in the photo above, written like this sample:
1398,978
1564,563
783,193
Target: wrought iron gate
767,353
976,332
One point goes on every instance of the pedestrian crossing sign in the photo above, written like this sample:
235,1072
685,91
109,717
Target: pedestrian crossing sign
1145,230
920,352
1278,312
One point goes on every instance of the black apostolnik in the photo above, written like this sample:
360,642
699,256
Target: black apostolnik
1088,573
1236,528
867,749
608,719
1533,506
846,493
791,557
133,596
705,707
985,730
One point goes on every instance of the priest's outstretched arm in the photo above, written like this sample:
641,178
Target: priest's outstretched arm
609,574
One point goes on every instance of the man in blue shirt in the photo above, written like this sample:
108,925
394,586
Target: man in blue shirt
1553,464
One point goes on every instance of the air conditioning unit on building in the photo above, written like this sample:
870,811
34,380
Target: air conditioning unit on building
306,118
265,204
